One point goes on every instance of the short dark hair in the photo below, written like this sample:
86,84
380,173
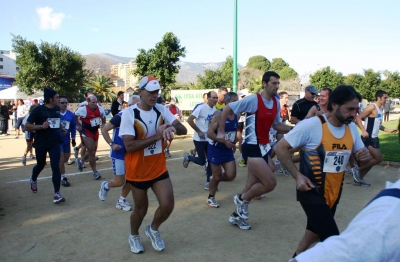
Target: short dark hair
267,75
326,89
62,97
222,88
379,93
88,92
120,93
228,96
209,94
341,95
282,93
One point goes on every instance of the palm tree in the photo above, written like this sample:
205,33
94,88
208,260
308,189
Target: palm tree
100,85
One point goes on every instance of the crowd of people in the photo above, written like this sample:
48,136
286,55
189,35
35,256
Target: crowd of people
322,137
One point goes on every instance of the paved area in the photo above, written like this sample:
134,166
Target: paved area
84,228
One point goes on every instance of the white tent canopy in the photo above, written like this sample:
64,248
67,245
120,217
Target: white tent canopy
12,93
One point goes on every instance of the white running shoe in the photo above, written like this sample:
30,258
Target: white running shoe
156,241
136,245
278,166
103,192
212,202
240,222
242,207
123,205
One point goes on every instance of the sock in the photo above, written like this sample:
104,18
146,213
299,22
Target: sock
152,231
106,186
210,195
235,214
121,198
63,176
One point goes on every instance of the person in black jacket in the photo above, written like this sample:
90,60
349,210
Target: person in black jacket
3,118
116,106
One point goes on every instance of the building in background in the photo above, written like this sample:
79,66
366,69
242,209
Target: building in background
123,73
8,67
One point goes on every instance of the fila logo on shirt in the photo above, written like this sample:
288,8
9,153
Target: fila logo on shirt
339,146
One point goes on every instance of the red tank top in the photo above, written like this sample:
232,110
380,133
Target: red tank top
264,119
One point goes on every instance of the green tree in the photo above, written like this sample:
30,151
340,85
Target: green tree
101,85
259,62
48,65
217,78
370,84
354,80
326,77
161,61
278,64
287,73
392,83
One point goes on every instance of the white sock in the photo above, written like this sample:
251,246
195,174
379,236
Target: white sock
63,176
121,198
152,231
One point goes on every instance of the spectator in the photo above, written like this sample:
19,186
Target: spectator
302,106
3,118
116,106
21,114
386,110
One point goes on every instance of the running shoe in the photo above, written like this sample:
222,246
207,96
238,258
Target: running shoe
70,161
76,152
240,222
23,160
79,164
103,192
16,137
212,202
242,207
96,175
156,241
167,154
185,159
285,171
34,187
192,152
278,166
58,198
123,205
65,182
242,163
32,156
364,183
207,186
136,245
356,174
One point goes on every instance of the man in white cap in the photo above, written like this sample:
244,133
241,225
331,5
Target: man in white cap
144,128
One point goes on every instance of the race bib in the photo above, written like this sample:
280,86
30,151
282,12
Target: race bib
230,136
65,124
95,121
153,149
336,161
264,149
54,122
272,137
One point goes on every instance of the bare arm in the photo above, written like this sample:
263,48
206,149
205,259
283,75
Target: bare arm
225,113
106,136
132,144
294,120
193,125
32,127
179,128
311,112
365,113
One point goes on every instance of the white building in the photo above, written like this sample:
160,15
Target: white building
8,66
124,73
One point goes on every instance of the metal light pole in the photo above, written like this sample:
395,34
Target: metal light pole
235,47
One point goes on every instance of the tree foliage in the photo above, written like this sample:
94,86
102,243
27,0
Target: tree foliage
392,83
326,77
48,65
249,77
278,64
370,84
259,62
161,61
287,73
217,78
101,85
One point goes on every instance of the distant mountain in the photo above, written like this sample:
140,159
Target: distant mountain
188,72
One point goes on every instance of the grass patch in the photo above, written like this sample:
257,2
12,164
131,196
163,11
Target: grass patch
389,143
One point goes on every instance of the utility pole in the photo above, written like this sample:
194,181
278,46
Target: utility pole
235,81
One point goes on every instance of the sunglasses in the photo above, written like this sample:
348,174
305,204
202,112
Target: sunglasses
63,103
214,97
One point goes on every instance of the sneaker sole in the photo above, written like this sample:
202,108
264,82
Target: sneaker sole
65,184
212,205
59,201
154,246
121,208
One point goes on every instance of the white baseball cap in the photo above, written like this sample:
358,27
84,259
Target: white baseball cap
149,83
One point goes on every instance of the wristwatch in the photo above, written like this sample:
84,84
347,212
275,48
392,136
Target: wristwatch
111,143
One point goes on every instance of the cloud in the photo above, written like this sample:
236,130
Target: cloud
49,19
95,29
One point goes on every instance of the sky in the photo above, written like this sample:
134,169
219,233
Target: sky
347,35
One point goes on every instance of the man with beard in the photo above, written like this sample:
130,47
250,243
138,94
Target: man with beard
327,142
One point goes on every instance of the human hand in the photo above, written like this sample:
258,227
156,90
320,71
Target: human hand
363,154
303,183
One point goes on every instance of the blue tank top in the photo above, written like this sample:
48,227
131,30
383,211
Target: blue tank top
230,132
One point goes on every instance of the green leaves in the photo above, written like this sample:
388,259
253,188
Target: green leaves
326,77
48,65
259,62
101,85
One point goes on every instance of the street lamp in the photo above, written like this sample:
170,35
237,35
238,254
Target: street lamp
234,73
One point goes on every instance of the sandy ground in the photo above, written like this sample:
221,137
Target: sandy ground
84,228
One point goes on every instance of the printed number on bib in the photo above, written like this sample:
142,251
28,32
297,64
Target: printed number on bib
264,149
230,136
153,149
65,124
272,137
95,121
54,122
336,161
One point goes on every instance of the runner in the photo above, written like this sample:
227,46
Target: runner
263,111
47,140
327,142
322,106
239,134
372,124
174,109
91,114
203,115
68,122
144,129
117,154
29,136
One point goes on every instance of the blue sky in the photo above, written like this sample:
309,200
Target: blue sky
347,35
